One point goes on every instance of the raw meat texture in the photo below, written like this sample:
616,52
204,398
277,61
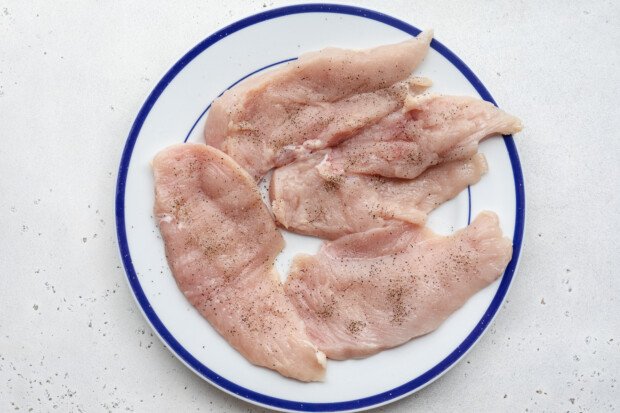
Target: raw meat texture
431,129
207,208
370,291
311,103
307,203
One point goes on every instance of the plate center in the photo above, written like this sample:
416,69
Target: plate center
294,243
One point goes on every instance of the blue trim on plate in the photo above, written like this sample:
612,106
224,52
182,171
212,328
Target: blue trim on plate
234,84
468,204
210,375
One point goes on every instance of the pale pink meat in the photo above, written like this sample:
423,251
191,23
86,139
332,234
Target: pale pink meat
307,203
429,130
221,243
312,103
371,291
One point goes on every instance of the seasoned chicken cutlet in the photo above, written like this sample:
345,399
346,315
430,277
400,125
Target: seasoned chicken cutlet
429,130
329,207
374,290
313,102
221,243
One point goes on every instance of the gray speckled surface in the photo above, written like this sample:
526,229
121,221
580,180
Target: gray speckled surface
73,76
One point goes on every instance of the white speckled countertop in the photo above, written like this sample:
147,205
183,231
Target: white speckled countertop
73,76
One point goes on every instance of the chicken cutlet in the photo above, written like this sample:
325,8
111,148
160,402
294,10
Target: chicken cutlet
313,102
374,290
208,208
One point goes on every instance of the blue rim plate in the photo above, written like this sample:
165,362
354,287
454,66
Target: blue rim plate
186,356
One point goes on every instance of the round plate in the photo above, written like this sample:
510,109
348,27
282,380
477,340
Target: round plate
175,112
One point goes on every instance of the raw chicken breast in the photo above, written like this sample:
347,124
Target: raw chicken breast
306,203
313,102
370,291
431,129
208,208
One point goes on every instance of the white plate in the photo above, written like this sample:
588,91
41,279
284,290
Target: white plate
175,112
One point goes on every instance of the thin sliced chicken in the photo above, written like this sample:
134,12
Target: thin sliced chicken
431,129
371,291
208,208
311,103
306,203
